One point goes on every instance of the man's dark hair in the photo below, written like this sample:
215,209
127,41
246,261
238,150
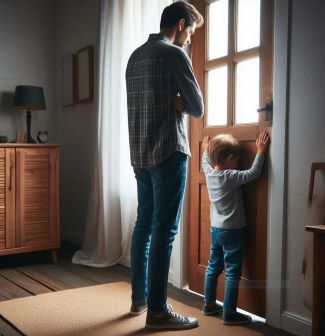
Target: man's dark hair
180,10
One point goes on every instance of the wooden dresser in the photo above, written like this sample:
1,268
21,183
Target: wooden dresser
29,198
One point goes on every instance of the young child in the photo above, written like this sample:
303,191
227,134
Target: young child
220,162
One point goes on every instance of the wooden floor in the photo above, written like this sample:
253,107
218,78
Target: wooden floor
34,273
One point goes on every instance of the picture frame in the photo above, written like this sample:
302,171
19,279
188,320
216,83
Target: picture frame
85,75
69,80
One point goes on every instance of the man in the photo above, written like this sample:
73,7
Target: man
161,88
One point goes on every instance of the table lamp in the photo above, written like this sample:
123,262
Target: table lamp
30,98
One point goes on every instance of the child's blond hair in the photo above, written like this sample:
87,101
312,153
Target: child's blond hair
221,147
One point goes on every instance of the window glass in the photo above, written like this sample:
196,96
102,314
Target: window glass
247,91
248,24
217,97
218,29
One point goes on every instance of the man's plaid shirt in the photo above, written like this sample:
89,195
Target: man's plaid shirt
156,72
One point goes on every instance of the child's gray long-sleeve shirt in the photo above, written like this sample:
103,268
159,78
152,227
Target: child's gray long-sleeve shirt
227,207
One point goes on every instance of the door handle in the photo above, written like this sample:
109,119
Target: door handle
268,109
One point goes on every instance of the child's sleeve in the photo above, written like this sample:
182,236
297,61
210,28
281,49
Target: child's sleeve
206,165
239,177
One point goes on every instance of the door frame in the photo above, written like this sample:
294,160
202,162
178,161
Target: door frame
277,181
277,213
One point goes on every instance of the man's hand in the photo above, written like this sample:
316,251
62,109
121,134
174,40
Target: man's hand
262,143
178,104
206,143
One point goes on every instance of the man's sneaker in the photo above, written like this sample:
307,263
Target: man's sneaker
138,309
170,320
211,310
235,318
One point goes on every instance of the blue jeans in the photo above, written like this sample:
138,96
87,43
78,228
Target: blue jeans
226,249
160,197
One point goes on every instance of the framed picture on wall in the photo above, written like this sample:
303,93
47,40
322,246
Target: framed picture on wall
68,80
85,74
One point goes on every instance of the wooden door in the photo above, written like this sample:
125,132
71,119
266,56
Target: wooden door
235,75
7,198
36,197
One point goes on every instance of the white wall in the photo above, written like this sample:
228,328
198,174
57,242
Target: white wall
76,27
306,137
27,56
298,140
35,36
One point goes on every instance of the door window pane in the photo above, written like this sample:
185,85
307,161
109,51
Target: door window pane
248,24
247,91
217,97
218,29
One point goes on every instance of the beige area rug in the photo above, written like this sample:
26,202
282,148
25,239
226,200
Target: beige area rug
98,311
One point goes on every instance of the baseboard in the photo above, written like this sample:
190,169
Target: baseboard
295,324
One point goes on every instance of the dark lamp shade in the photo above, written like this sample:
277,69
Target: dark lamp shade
29,97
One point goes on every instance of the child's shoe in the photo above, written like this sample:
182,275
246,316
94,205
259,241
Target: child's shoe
235,318
211,309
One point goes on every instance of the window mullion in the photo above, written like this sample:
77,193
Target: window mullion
231,65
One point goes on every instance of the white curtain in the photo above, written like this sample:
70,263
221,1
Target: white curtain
124,25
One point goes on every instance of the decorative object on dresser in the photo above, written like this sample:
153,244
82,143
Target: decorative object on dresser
3,139
21,137
43,136
29,198
30,98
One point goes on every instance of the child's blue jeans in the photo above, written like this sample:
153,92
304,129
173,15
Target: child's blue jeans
226,250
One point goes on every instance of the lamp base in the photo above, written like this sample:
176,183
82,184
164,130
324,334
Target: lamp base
30,140
28,126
